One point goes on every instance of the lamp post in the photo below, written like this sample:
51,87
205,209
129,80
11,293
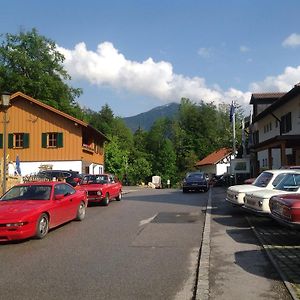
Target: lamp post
5,101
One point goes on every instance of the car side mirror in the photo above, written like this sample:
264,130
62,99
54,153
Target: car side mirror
59,196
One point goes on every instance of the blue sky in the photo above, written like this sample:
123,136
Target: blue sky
137,54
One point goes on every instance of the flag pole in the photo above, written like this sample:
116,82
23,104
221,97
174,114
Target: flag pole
233,139
233,134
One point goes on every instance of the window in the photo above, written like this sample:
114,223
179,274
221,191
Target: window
52,140
286,123
255,137
63,189
18,140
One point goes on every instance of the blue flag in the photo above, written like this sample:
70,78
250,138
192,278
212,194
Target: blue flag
232,111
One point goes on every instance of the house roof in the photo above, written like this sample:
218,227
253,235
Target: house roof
280,102
17,95
265,97
214,157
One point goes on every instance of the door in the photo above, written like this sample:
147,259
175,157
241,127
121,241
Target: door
66,205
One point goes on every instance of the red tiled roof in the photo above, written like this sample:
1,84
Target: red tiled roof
214,157
268,95
16,95
264,98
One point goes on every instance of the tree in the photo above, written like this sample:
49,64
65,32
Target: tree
139,170
30,63
115,158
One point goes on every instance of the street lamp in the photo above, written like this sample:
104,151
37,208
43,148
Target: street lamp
4,103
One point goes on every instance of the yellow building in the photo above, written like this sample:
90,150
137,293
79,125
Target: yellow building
42,136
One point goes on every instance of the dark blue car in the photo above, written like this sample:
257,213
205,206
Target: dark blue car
195,181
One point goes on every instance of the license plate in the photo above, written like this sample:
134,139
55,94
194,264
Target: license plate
251,202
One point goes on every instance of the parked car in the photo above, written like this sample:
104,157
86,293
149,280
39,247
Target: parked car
286,209
249,180
71,177
195,181
266,180
31,209
101,188
258,202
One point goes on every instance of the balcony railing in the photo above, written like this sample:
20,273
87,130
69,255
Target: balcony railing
87,148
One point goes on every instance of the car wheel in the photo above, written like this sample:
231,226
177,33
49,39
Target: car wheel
42,226
105,201
184,190
119,197
81,211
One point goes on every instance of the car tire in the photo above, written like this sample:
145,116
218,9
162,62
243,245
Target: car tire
81,210
105,201
184,190
119,197
42,226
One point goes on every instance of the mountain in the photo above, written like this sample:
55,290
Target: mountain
146,119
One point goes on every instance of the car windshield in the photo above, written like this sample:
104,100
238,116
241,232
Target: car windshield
28,192
199,176
94,179
263,179
290,182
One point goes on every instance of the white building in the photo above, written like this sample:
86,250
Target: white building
275,130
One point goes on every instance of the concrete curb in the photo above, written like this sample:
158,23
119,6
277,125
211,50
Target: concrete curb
202,281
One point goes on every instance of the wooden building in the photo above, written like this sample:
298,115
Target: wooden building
44,137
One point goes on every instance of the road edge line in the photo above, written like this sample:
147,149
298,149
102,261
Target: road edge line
202,280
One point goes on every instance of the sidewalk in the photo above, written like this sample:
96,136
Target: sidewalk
233,264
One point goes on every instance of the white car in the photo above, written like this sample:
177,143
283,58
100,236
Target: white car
258,202
266,180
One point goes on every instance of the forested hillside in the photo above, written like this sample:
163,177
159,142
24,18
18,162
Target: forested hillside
30,63
145,120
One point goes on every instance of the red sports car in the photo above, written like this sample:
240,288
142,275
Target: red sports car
101,188
286,209
31,209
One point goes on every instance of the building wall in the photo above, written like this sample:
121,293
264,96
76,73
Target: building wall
28,168
268,127
262,158
209,169
24,116
222,168
218,169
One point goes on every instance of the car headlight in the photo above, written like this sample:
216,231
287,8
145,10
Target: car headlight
18,224
99,193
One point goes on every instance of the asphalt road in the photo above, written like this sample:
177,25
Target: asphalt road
144,247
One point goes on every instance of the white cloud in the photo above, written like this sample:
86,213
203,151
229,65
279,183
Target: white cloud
280,83
205,52
108,67
292,41
244,49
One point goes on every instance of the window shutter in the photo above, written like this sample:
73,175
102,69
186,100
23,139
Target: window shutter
44,140
289,121
26,140
1,141
10,140
59,140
